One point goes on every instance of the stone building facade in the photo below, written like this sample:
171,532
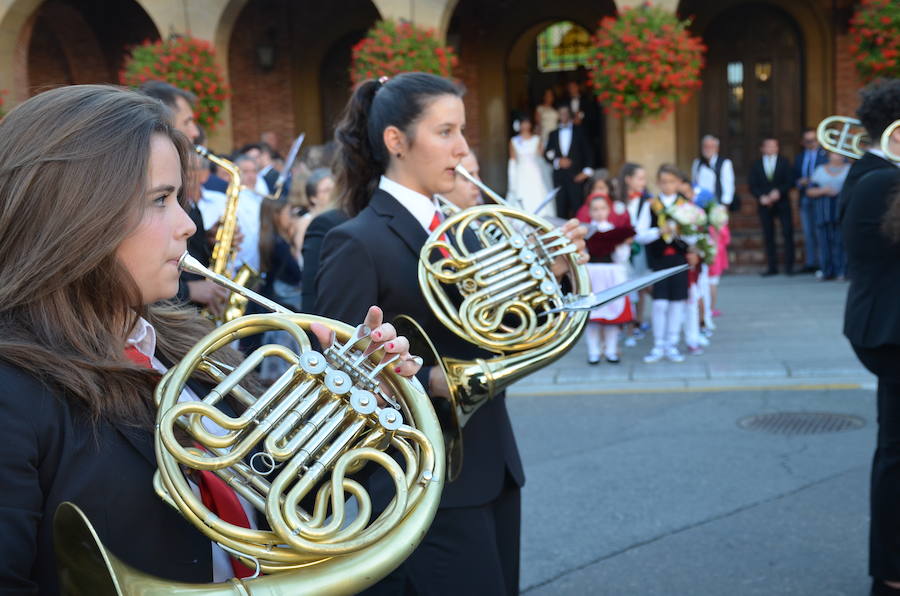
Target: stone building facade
286,61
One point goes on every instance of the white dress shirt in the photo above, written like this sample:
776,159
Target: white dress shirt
420,206
769,162
212,207
645,233
565,139
262,187
705,177
143,338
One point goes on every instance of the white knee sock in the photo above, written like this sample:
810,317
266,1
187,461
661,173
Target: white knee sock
660,315
592,335
703,284
674,322
692,318
611,340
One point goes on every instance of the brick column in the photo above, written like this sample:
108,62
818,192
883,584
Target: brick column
650,143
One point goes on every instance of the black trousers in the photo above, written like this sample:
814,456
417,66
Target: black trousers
569,197
468,550
781,211
884,529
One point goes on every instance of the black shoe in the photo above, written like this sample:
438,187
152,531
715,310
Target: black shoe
593,362
613,360
769,273
809,269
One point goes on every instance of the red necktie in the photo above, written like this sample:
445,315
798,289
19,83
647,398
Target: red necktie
435,222
217,496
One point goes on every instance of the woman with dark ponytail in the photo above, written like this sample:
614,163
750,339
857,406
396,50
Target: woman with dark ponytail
398,145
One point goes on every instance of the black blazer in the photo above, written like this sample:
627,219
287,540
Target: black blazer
871,317
579,151
312,247
869,162
50,454
373,259
198,247
782,178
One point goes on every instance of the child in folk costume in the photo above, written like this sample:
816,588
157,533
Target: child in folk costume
664,227
698,276
631,190
595,185
609,248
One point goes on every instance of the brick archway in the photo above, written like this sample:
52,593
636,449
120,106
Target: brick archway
287,98
62,42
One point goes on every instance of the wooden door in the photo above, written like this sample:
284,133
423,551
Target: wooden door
753,82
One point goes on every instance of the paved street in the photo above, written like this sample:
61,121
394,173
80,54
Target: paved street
640,480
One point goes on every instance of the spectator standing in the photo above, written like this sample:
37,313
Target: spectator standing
569,151
770,180
807,161
825,185
546,117
715,174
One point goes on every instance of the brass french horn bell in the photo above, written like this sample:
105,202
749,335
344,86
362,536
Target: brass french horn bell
846,136
299,440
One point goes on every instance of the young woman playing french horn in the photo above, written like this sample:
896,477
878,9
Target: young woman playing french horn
399,142
91,230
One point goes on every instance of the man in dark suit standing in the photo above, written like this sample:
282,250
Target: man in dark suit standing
872,317
586,114
569,151
770,180
806,162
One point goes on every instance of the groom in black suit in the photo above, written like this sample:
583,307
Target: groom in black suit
569,151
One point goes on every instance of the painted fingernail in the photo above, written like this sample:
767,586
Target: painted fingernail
390,345
396,369
376,334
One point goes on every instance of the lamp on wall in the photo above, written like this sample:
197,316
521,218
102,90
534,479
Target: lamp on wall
265,51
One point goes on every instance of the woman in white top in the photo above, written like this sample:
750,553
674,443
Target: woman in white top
527,186
546,116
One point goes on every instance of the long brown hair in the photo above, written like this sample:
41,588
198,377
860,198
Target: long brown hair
268,228
361,154
73,173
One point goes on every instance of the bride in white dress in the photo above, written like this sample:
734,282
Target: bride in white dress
527,182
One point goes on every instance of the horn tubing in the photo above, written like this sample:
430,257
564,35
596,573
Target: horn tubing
191,265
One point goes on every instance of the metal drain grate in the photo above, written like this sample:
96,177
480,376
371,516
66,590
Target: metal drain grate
801,423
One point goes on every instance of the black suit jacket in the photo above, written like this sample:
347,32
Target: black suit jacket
579,152
312,248
198,247
373,259
871,316
782,179
869,162
50,453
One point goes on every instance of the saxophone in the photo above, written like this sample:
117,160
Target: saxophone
224,250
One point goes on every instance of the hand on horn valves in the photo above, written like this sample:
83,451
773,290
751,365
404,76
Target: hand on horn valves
384,336
575,232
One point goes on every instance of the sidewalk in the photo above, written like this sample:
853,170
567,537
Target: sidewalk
797,343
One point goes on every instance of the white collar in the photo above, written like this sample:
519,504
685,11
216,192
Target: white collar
883,156
603,226
667,200
143,337
419,206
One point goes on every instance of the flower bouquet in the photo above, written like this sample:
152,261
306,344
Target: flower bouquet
717,214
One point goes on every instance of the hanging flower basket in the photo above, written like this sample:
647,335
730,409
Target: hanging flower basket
644,62
875,39
392,47
186,63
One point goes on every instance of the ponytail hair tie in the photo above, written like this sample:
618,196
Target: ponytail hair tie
383,79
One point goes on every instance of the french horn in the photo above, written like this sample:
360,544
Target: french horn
332,412
487,274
